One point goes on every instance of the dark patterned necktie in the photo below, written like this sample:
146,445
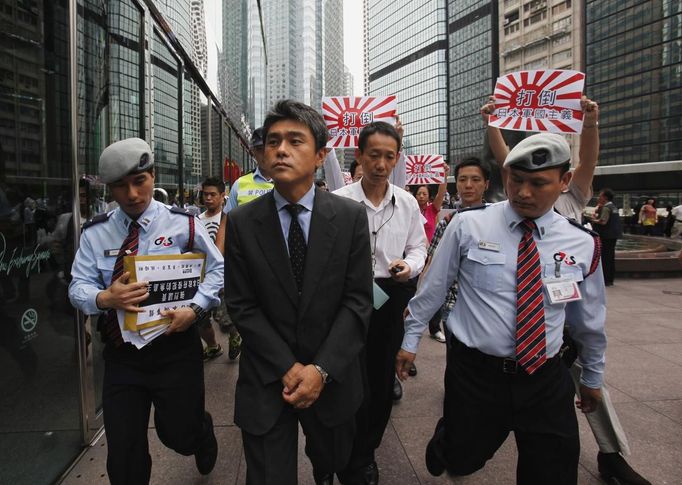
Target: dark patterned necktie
112,331
297,246
530,310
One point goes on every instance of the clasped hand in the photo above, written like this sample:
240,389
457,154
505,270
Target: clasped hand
302,385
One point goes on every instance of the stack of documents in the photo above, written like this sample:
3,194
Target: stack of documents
173,281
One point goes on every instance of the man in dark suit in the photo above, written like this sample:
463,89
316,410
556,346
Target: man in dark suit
299,288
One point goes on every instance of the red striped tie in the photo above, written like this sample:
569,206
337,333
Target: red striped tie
112,330
530,310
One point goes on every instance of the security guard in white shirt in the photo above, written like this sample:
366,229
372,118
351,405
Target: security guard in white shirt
398,248
523,270
168,372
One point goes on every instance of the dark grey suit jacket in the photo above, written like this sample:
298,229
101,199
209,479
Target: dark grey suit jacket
326,325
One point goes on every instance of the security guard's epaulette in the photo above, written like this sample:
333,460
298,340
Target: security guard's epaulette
575,223
96,220
472,208
179,210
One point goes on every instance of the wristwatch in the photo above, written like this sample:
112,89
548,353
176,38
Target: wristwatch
200,312
323,373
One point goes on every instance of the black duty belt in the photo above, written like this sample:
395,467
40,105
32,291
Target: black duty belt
506,365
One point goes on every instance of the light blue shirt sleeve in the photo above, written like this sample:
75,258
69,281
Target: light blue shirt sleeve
232,199
585,322
207,294
440,275
332,171
87,279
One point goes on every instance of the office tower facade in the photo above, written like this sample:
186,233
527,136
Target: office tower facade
334,68
473,68
634,69
256,69
293,29
540,34
348,82
406,49
234,61
75,77
200,56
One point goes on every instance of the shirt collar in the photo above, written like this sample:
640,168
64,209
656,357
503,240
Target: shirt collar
543,223
306,201
258,174
145,220
362,198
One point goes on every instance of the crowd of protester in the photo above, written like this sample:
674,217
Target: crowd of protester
325,287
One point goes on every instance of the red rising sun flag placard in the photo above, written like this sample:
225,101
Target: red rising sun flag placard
345,116
424,169
542,100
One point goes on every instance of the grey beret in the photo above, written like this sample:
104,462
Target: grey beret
539,152
124,157
257,138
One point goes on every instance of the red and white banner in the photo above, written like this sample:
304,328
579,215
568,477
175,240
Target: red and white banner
543,100
346,116
424,169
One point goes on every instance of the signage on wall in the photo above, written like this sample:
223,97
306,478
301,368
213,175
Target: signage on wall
28,323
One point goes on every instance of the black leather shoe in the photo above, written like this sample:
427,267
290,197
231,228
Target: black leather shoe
413,371
370,474
397,389
207,453
614,469
434,463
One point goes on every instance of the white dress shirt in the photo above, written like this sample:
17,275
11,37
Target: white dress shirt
395,228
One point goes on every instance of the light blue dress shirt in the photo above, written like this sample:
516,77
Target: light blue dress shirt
161,232
304,217
234,190
479,250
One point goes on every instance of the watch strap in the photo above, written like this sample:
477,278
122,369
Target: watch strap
323,373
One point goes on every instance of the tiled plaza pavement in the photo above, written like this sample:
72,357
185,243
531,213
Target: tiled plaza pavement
644,375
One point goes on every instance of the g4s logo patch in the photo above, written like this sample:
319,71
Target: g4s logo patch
164,241
561,256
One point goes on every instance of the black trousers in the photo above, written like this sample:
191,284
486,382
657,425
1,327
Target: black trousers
168,373
483,404
271,459
384,337
608,259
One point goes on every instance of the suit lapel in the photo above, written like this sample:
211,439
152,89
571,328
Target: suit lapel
271,242
320,243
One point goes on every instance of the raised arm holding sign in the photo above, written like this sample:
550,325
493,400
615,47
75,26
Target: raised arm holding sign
541,100
346,116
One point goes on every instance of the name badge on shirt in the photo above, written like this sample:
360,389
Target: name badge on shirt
489,246
562,290
111,252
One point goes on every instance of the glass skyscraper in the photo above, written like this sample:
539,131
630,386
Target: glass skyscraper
473,69
334,73
634,70
406,49
75,77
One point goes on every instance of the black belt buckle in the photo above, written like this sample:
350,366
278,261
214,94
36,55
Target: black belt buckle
509,366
